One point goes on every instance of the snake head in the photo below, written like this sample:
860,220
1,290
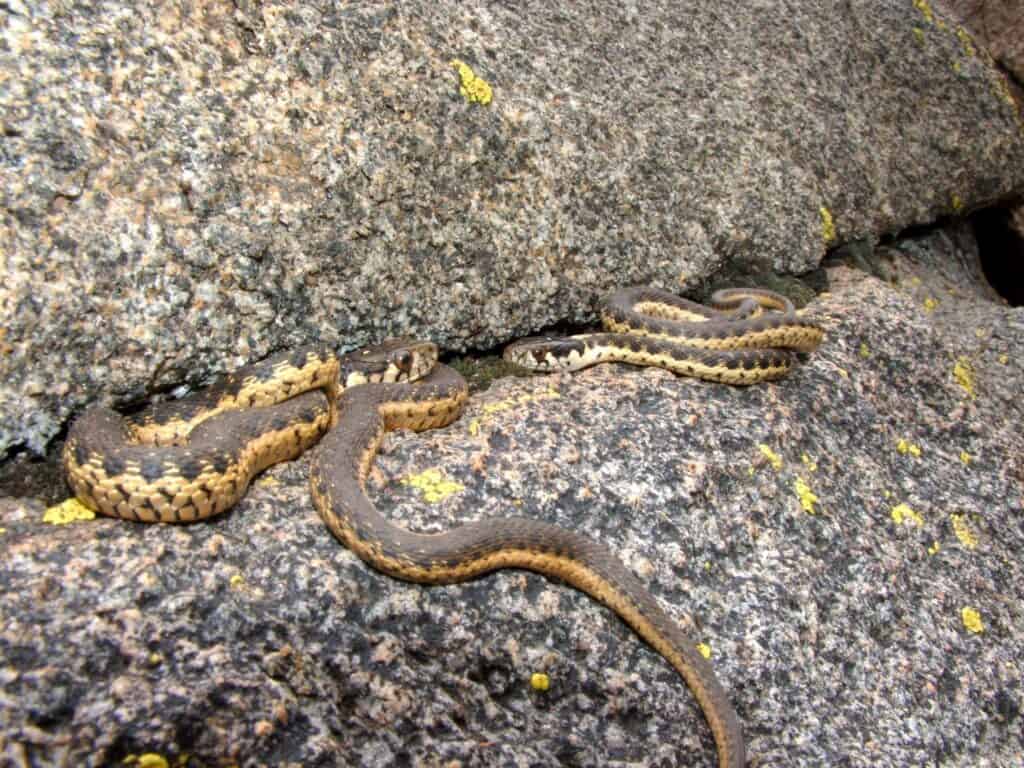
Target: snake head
545,353
395,360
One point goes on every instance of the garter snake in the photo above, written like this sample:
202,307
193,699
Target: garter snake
193,458
749,335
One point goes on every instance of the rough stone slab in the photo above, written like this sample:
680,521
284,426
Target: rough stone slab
840,635
189,186
999,26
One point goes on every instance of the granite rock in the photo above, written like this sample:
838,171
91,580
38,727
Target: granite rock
189,186
999,26
846,541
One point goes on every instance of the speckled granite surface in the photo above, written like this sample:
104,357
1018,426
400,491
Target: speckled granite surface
189,186
837,539
998,25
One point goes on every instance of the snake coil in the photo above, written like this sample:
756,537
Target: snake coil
193,458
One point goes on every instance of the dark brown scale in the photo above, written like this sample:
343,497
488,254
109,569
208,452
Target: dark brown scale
189,466
151,468
299,357
113,464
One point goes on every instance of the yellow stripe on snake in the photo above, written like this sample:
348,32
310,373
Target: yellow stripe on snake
189,459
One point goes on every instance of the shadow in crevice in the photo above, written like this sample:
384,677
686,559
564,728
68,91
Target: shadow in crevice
1001,250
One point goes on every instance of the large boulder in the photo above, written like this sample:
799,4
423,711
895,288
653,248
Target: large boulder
189,186
846,541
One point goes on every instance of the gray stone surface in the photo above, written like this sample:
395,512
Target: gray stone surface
255,639
188,186
999,26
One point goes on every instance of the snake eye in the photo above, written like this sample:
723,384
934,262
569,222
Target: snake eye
403,359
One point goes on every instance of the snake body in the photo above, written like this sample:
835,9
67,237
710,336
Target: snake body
193,458
748,336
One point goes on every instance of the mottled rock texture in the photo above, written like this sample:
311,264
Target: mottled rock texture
999,26
186,186
837,539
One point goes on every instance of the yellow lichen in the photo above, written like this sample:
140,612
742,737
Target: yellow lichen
773,458
934,548
1002,90
965,457
504,405
809,463
475,425
805,495
905,447
237,581
925,9
68,511
864,351
902,513
972,620
704,650
919,35
432,485
146,760
539,681
966,42
828,227
963,372
930,304
1004,359
475,89
963,531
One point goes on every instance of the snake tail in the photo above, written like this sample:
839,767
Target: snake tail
338,475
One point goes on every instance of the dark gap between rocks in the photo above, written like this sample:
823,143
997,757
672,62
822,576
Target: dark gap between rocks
1001,250
25,475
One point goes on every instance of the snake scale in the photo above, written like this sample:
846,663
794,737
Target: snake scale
192,458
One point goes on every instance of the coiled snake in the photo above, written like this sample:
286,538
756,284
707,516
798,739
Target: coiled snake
192,458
